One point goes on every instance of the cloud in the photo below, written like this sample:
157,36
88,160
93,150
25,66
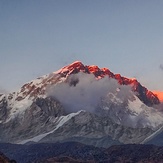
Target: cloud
84,92
161,67
159,107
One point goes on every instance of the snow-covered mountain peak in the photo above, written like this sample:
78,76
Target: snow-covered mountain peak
112,104
143,93
77,65
37,88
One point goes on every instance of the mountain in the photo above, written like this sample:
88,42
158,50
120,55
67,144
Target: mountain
143,93
77,152
80,103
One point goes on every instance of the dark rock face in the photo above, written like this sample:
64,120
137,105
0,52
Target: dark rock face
49,106
3,109
146,96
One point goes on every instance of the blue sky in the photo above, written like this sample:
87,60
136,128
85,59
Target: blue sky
40,36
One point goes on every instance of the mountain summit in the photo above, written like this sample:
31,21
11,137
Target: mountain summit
80,103
144,94
37,87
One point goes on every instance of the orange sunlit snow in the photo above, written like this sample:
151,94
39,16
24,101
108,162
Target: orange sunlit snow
159,95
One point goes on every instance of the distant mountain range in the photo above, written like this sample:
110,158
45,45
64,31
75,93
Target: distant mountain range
74,152
84,104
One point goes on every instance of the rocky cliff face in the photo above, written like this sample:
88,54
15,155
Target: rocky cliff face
3,109
87,125
39,117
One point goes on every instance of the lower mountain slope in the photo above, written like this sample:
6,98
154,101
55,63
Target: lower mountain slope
46,120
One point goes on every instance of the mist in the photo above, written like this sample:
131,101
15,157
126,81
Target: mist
84,92
159,107
161,67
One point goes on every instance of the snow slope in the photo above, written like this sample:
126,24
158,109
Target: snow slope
61,121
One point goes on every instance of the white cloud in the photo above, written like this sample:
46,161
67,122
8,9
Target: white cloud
87,93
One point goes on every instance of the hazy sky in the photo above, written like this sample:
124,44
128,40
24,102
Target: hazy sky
40,36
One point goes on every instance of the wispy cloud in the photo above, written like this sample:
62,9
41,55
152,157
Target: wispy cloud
161,67
86,92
